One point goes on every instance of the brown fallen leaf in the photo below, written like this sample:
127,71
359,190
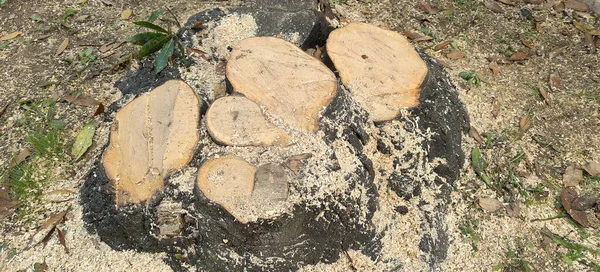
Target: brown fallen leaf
10,36
441,45
514,210
126,14
455,54
535,2
416,37
475,135
43,266
592,168
524,124
555,82
584,202
572,176
62,47
62,240
493,6
518,56
494,67
58,196
201,53
544,94
507,2
99,109
424,6
6,203
82,100
495,107
567,197
296,162
19,158
490,204
3,109
576,5
44,232
443,63
525,41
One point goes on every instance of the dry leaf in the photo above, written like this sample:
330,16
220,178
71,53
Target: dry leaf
515,210
416,37
584,202
494,67
490,204
475,135
507,2
428,8
525,41
20,157
62,240
556,51
3,109
99,109
495,107
572,176
295,163
10,36
518,56
81,100
455,54
493,6
443,63
525,123
592,168
544,94
43,266
576,5
6,204
47,228
220,69
201,53
567,197
62,47
441,45
535,2
126,14
58,196
555,82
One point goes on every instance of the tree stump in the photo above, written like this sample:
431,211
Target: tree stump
290,167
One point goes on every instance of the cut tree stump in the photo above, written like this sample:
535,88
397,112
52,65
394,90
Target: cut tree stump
278,75
381,69
151,136
292,168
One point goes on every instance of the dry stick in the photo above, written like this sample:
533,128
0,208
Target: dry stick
562,215
173,15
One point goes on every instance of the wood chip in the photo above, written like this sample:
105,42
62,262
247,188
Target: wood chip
126,14
62,47
455,54
572,176
490,204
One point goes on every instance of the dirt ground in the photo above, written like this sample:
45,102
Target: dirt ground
535,117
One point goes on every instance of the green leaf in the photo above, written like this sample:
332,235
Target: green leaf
465,75
57,124
163,56
83,140
152,46
142,38
36,18
155,15
151,26
68,13
2,2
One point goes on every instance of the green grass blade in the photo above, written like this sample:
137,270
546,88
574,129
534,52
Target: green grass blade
163,56
142,38
151,26
153,46
155,15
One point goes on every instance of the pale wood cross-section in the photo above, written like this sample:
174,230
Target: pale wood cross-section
237,121
291,84
151,136
380,68
229,182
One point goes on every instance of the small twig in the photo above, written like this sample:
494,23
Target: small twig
173,15
562,215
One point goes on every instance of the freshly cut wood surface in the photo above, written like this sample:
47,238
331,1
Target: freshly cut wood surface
237,121
291,84
229,182
380,68
151,136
